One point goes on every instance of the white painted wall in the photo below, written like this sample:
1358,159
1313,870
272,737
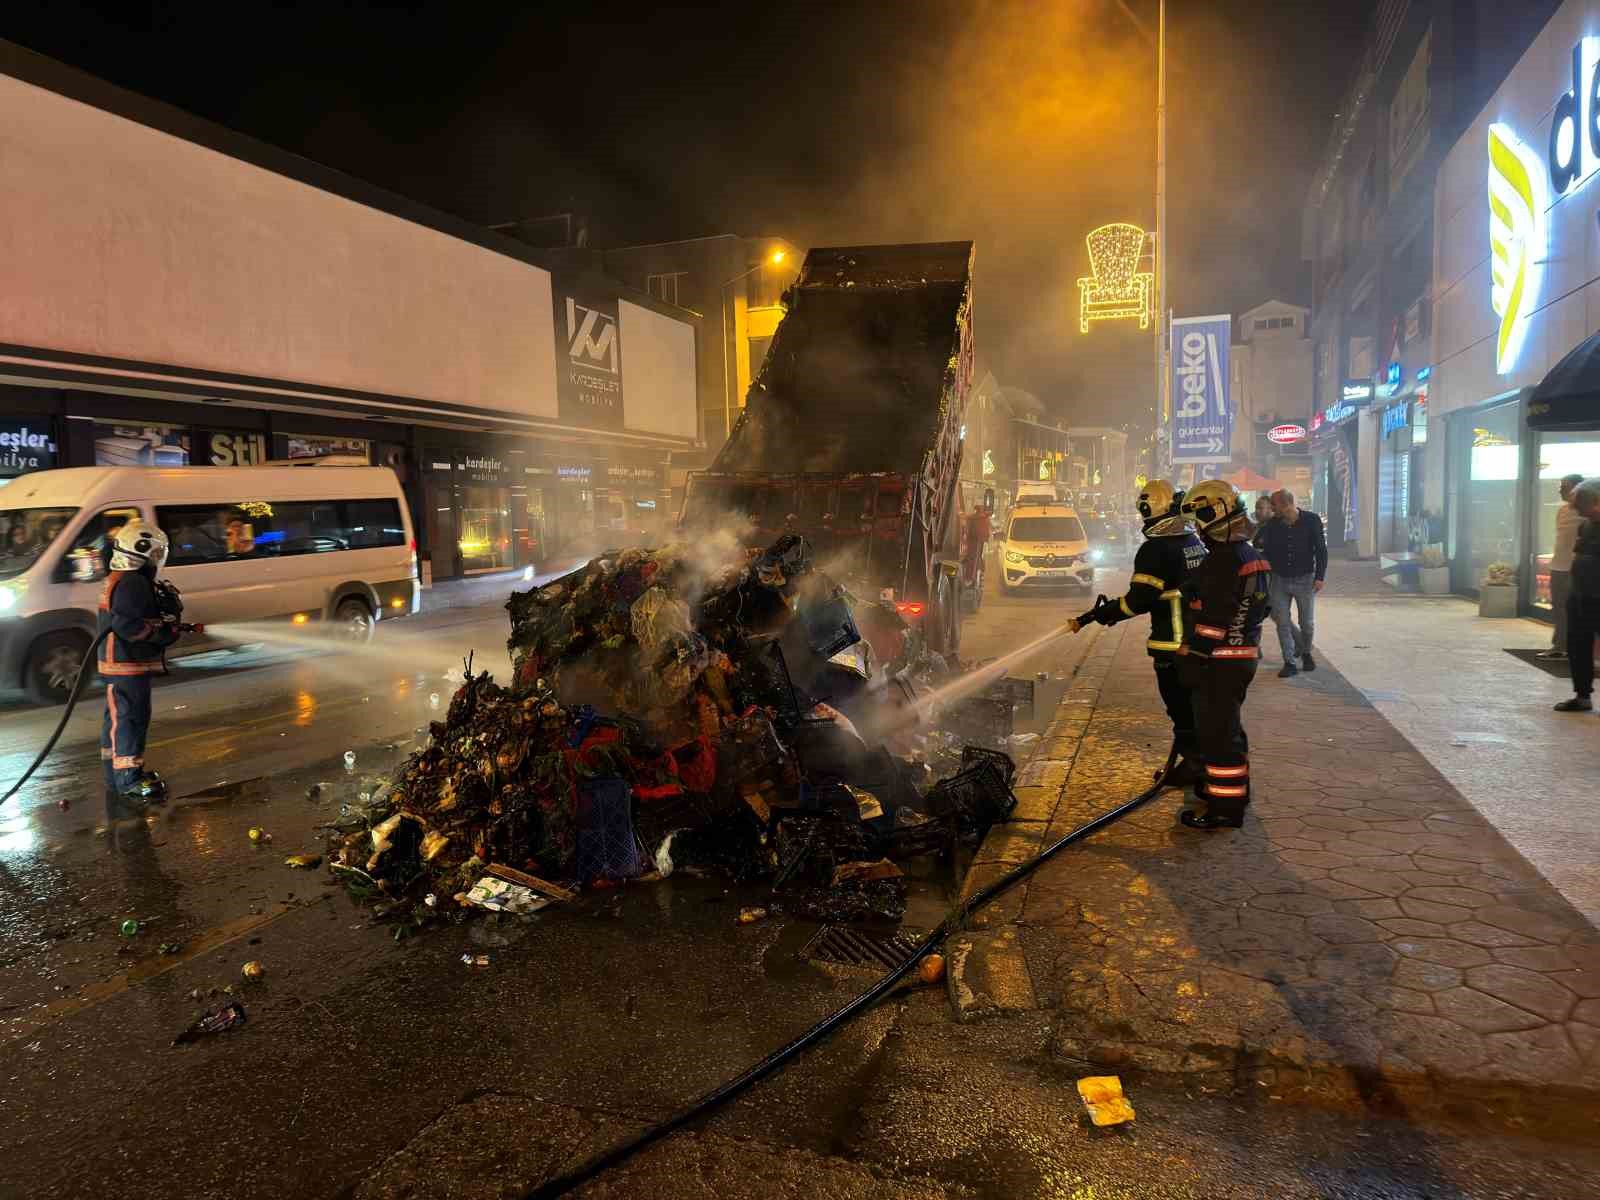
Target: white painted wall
658,394
1465,325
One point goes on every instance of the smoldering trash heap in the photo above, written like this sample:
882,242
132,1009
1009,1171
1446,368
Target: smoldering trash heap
732,712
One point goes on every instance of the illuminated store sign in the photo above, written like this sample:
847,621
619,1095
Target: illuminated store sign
1518,238
1356,391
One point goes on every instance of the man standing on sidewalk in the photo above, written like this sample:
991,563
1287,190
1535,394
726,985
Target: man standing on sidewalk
1583,602
1225,602
1567,522
1297,548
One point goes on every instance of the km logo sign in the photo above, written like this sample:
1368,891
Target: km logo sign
592,337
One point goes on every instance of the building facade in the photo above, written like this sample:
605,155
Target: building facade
1517,282
1424,72
1270,391
731,287
176,293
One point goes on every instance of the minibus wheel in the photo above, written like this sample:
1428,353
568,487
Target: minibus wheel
53,665
353,620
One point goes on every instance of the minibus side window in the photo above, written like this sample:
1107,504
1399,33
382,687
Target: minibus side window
89,559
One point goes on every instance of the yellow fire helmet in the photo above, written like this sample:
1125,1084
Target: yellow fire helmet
1214,504
1158,499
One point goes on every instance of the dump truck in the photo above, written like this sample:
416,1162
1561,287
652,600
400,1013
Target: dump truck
851,434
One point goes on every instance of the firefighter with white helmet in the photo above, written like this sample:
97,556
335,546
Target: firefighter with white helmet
1171,551
137,629
1224,604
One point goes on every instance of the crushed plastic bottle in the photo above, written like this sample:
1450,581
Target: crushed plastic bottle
349,760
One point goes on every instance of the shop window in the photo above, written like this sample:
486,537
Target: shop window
1560,454
90,557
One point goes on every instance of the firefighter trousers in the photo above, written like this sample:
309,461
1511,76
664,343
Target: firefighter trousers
1218,690
124,729
1175,696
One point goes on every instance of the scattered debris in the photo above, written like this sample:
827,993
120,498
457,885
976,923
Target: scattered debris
749,916
1102,1096
253,970
305,862
130,927
314,792
497,895
214,1020
259,835
169,948
682,708
475,960
349,760
931,969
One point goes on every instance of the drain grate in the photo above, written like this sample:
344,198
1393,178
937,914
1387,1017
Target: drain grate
850,946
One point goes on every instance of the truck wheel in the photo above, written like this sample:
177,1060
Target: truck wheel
947,613
353,621
53,665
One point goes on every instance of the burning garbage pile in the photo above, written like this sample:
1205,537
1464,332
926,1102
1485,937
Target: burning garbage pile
676,709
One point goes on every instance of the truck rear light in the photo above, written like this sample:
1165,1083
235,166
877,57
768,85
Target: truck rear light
910,608
413,545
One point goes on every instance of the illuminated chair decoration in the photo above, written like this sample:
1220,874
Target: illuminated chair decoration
1115,288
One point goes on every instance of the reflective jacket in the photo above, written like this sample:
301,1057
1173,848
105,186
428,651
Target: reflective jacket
137,635
1159,570
1225,602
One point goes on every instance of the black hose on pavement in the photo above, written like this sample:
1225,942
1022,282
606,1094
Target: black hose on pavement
72,701
606,1159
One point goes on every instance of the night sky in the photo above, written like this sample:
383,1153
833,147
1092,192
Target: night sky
1020,125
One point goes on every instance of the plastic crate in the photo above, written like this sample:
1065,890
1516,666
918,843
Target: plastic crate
976,796
1003,761
982,717
1019,692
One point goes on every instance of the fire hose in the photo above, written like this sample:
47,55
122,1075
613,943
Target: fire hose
622,1151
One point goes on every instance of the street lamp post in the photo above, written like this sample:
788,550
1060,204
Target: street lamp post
776,257
1161,408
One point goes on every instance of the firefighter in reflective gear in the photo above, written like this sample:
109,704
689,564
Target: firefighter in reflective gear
1224,604
1171,551
138,632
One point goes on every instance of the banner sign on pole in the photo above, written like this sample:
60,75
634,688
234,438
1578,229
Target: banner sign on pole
1202,419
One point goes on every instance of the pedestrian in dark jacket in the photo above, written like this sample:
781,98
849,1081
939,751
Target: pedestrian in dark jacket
1583,598
1296,546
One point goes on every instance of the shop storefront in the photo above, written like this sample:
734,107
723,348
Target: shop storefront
1402,521
1514,291
544,431
1335,480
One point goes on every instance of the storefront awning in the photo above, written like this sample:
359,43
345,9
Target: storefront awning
1569,396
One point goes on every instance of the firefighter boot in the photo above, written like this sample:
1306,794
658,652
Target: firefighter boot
1226,791
147,788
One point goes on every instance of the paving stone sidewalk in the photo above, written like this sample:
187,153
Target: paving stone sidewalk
1366,935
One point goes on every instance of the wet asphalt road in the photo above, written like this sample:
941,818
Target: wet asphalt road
599,1014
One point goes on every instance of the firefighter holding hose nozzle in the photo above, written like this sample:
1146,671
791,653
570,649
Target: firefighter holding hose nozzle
1171,552
139,619
1224,604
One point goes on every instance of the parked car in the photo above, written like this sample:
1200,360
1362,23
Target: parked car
1045,546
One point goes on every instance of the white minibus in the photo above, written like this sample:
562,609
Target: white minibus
247,544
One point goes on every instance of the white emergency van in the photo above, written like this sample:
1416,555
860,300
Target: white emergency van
247,544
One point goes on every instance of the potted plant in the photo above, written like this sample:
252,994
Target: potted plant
1433,576
1497,594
